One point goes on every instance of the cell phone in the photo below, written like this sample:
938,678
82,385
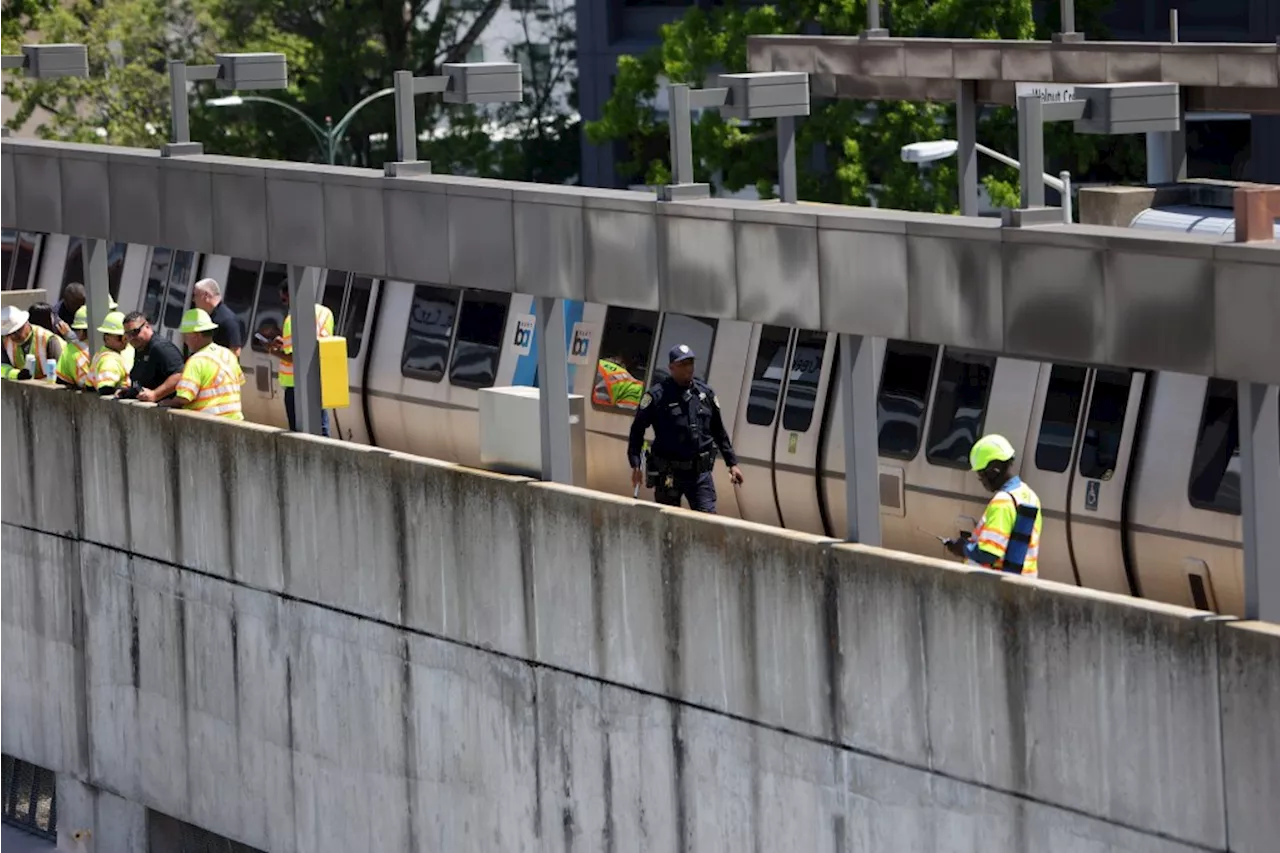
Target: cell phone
262,337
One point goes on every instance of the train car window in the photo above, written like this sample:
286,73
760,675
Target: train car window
74,270
240,288
157,278
9,242
1215,466
959,407
766,376
903,396
802,385
699,333
626,342
1058,423
332,294
24,260
357,309
478,343
179,279
427,336
1104,426
268,317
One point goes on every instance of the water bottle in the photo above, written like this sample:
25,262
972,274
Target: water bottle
31,365
50,370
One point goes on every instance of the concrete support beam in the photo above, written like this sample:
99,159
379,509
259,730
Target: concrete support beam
97,287
967,137
553,392
1259,413
303,286
861,475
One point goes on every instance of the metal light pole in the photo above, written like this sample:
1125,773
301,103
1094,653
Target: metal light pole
230,71
49,62
328,136
926,152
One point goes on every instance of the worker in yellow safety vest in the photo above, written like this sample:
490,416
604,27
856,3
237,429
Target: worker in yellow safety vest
73,366
108,372
282,348
1008,539
616,386
212,377
23,339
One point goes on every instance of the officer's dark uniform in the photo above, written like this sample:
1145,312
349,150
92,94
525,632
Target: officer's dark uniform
687,429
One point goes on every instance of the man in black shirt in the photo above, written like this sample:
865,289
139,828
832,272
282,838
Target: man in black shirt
208,297
157,363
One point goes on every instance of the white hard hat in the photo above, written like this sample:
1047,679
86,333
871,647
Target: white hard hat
12,318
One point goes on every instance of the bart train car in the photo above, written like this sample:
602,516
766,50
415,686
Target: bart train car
1138,471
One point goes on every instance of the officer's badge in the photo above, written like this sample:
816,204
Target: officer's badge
646,400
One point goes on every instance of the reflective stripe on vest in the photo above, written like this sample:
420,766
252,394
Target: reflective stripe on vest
615,376
324,321
40,337
220,393
73,366
107,370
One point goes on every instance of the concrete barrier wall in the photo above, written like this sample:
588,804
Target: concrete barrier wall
708,677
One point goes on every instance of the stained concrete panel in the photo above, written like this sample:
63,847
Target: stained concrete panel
608,769
883,675
471,750
1250,693
230,528
15,455
104,474
342,544
154,507
53,469
599,594
748,601
42,662
462,581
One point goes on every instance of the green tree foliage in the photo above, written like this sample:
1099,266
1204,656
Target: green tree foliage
860,141
338,53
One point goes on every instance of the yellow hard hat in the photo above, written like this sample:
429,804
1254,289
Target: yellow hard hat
112,324
81,321
196,320
988,449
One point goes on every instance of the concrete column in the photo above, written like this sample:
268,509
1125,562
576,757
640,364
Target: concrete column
1031,150
861,457
787,159
95,821
553,392
306,355
680,126
967,136
97,287
1259,418
1167,156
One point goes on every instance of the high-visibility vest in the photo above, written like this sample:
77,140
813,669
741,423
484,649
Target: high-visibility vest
1010,529
324,329
37,343
73,366
616,387
211,382
107,370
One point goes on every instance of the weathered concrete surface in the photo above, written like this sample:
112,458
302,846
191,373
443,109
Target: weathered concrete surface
877,689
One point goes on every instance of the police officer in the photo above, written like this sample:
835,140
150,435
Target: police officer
1008,539
687,428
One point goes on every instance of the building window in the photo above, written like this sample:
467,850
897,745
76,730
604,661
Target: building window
535,61
476,53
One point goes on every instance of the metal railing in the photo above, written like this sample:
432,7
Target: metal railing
30,798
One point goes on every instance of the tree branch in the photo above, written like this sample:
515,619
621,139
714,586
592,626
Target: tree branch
459,51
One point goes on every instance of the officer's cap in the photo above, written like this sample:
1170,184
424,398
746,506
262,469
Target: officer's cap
680,352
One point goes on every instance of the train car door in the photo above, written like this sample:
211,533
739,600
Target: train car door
1052,444
1100,478
756,428
796,442
351,424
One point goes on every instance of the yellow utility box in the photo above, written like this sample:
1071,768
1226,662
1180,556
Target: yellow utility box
335,387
